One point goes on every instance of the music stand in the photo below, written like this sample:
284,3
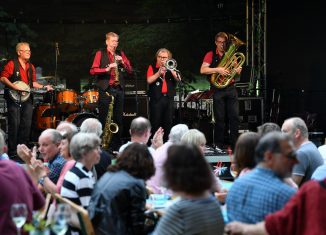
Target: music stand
197,95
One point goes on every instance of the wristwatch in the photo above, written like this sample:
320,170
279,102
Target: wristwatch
41,180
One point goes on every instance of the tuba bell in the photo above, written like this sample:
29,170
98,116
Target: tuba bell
230,61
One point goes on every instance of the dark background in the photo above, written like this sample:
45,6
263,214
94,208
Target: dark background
295,41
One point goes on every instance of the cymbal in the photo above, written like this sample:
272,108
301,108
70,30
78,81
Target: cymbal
46,78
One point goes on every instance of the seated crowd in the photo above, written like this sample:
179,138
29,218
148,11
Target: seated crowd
280,187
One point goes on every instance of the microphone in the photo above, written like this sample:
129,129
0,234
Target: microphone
57,48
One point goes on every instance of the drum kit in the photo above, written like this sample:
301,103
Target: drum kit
65,104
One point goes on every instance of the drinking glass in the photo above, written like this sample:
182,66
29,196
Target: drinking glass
18,214
233,171
61,219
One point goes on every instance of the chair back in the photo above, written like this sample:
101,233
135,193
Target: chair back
44,211
85,223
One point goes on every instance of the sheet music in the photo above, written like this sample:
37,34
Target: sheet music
191,96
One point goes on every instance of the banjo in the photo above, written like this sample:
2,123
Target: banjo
22,96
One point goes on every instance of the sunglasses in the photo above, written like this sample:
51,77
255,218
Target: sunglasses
291,155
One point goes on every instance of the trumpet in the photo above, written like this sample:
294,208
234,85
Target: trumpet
171,64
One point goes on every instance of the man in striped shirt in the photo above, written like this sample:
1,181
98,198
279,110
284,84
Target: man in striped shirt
79,181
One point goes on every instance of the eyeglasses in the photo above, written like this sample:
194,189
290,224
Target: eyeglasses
25,51
162,57
291,155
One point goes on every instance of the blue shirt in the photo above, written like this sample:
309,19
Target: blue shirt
320,173
257,194
55,167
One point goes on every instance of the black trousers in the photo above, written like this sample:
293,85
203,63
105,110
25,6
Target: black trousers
161,114
103,106
225,102
19,124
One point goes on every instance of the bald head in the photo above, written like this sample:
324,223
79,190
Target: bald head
139,126
297,129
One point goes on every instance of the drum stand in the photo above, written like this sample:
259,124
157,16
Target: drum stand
81,101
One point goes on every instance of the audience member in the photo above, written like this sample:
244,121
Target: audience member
67,131
16,187
307,153
197,212
263,191
198,139
322,150
268,127
244,152
78,182
3,147
319,173
140,132
195,137
156,184
93,125
118,200
49,142
303,214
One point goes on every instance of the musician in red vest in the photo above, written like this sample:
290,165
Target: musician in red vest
161,91
225,100
20,111
111,67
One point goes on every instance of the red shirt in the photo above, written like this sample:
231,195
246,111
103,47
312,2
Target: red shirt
95,70
16,187
209,57
304,214
8,71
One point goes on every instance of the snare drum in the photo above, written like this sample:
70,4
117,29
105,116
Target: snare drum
91,98
67,100
78,118
44,116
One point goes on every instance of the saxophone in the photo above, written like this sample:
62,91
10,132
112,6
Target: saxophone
116,71
231,61
110,127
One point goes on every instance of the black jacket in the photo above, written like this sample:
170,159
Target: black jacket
117,205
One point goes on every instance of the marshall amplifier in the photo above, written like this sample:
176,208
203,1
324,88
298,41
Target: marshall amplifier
132,85
133,107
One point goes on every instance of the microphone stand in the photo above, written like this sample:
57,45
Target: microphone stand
54,93
56,64
136,92
180,84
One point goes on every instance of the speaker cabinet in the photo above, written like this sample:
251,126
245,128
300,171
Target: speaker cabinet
133,107
132,85
251,113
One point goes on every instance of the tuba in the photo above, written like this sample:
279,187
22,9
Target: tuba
110,127
230,61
